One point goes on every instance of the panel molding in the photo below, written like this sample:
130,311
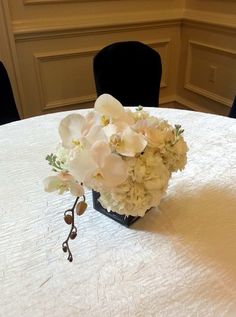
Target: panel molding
59,55
199,90
165,58
69,102
39,58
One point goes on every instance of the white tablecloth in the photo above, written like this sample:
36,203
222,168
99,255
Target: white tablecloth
179,260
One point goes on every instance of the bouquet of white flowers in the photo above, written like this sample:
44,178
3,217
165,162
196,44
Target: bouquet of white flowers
127,156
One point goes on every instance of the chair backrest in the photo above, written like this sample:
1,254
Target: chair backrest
8,110
232,113
129,71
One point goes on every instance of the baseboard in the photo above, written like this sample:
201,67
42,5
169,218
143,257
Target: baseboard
178,102
175,102
191,105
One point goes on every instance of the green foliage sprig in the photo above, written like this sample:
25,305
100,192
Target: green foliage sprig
54,162
177,132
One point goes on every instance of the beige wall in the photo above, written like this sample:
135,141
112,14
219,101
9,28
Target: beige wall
212,6
207,76
53,42
54,9
7,53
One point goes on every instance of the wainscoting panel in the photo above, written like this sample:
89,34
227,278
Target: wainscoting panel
207,77
57,72
52,44
65,78
163,48
211,72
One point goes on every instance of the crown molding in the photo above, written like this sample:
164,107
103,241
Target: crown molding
45,28
43,2
223,22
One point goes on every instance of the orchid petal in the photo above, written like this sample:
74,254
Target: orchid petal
51,183
82,166
109,106
91,118
110,129
76,189
115,128
54,183
65,177
132,143
125,119
114,170
96,133
70,129
99,151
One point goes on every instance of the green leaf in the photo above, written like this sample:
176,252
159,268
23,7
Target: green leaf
139,108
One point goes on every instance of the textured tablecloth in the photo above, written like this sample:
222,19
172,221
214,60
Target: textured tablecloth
177,261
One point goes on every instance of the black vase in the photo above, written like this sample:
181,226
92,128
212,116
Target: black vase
122,219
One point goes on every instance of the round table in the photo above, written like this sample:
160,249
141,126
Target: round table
179,260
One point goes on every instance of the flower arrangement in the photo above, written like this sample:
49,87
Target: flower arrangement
127,156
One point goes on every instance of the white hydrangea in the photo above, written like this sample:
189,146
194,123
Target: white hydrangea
147,181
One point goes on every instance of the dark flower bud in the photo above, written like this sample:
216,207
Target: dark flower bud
64,248
73,235
81,207
68,219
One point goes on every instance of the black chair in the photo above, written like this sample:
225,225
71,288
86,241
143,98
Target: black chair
129,71
8,110
232,113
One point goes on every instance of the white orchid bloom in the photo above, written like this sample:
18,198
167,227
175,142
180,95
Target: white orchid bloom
98,167
115,128
63,182
76,130
111,108
131,143
125,140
